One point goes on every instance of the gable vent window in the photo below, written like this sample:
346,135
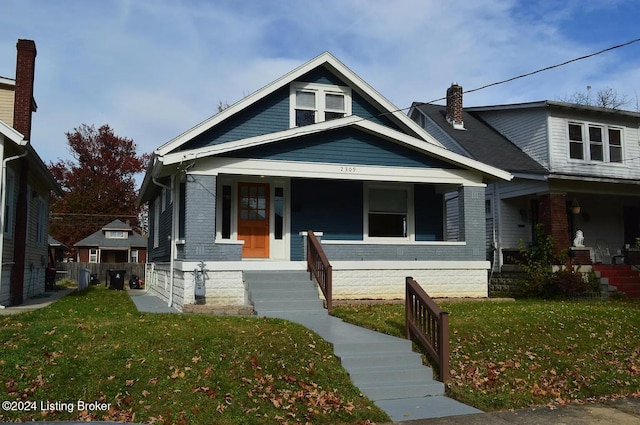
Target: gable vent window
313,103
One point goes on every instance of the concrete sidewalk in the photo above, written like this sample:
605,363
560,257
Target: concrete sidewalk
618,412
37,302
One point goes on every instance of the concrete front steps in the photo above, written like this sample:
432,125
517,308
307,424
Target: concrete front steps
621,276
383,367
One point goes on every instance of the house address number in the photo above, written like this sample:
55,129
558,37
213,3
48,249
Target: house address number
347,169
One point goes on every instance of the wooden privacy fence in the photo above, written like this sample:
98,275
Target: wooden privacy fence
428,324
320,268
72,270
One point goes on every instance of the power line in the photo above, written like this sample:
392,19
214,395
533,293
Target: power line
547,68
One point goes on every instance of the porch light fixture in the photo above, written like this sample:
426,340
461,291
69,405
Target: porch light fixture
575,207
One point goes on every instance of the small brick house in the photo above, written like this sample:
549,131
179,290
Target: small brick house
116,242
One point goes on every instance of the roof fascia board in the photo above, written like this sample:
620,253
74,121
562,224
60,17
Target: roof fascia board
7,81
553,104
12,134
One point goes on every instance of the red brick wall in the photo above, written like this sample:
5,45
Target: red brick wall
454,103
553,215
25,73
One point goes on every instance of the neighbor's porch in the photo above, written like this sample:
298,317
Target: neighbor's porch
610,225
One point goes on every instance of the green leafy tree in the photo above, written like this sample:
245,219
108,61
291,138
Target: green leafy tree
99,183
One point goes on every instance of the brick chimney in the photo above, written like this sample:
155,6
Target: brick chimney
454,106
24,104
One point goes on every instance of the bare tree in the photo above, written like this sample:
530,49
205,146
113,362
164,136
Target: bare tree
603,98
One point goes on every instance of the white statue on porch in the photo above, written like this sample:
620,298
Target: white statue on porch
579,239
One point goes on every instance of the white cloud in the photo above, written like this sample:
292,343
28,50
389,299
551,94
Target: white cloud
154,68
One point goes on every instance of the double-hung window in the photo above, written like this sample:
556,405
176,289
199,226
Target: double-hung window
597,143
388,212
312,103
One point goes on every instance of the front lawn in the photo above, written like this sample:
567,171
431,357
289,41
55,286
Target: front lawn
169,369
509,355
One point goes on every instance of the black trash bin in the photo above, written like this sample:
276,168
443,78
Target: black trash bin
93,279
116,279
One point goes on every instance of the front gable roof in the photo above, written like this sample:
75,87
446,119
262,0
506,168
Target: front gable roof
263,118
325,61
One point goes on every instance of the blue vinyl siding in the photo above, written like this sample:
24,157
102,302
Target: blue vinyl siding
332,207
343,146
428,213
363,109
321,75
268,115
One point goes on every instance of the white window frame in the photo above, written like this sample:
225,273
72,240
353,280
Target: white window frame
134,256
587,143
410,223
93,255
117,234
320,91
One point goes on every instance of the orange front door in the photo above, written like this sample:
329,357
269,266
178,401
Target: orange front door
253,219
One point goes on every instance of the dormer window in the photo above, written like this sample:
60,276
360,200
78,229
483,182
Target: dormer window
313,103
116,234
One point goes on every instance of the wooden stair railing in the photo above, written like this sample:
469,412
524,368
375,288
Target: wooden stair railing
319,267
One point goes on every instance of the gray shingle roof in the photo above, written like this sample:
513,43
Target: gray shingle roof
482,142
99,239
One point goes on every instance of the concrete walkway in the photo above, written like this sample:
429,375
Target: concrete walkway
149,303
382,366
37,302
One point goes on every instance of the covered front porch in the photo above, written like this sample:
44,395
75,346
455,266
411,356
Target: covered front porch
375,228
607,217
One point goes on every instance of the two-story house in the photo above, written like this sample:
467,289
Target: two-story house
26,185
316,150
575,167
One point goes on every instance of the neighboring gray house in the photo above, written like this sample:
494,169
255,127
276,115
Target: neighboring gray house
575,167
316,150
116,242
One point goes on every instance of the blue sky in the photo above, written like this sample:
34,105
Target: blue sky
152,69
